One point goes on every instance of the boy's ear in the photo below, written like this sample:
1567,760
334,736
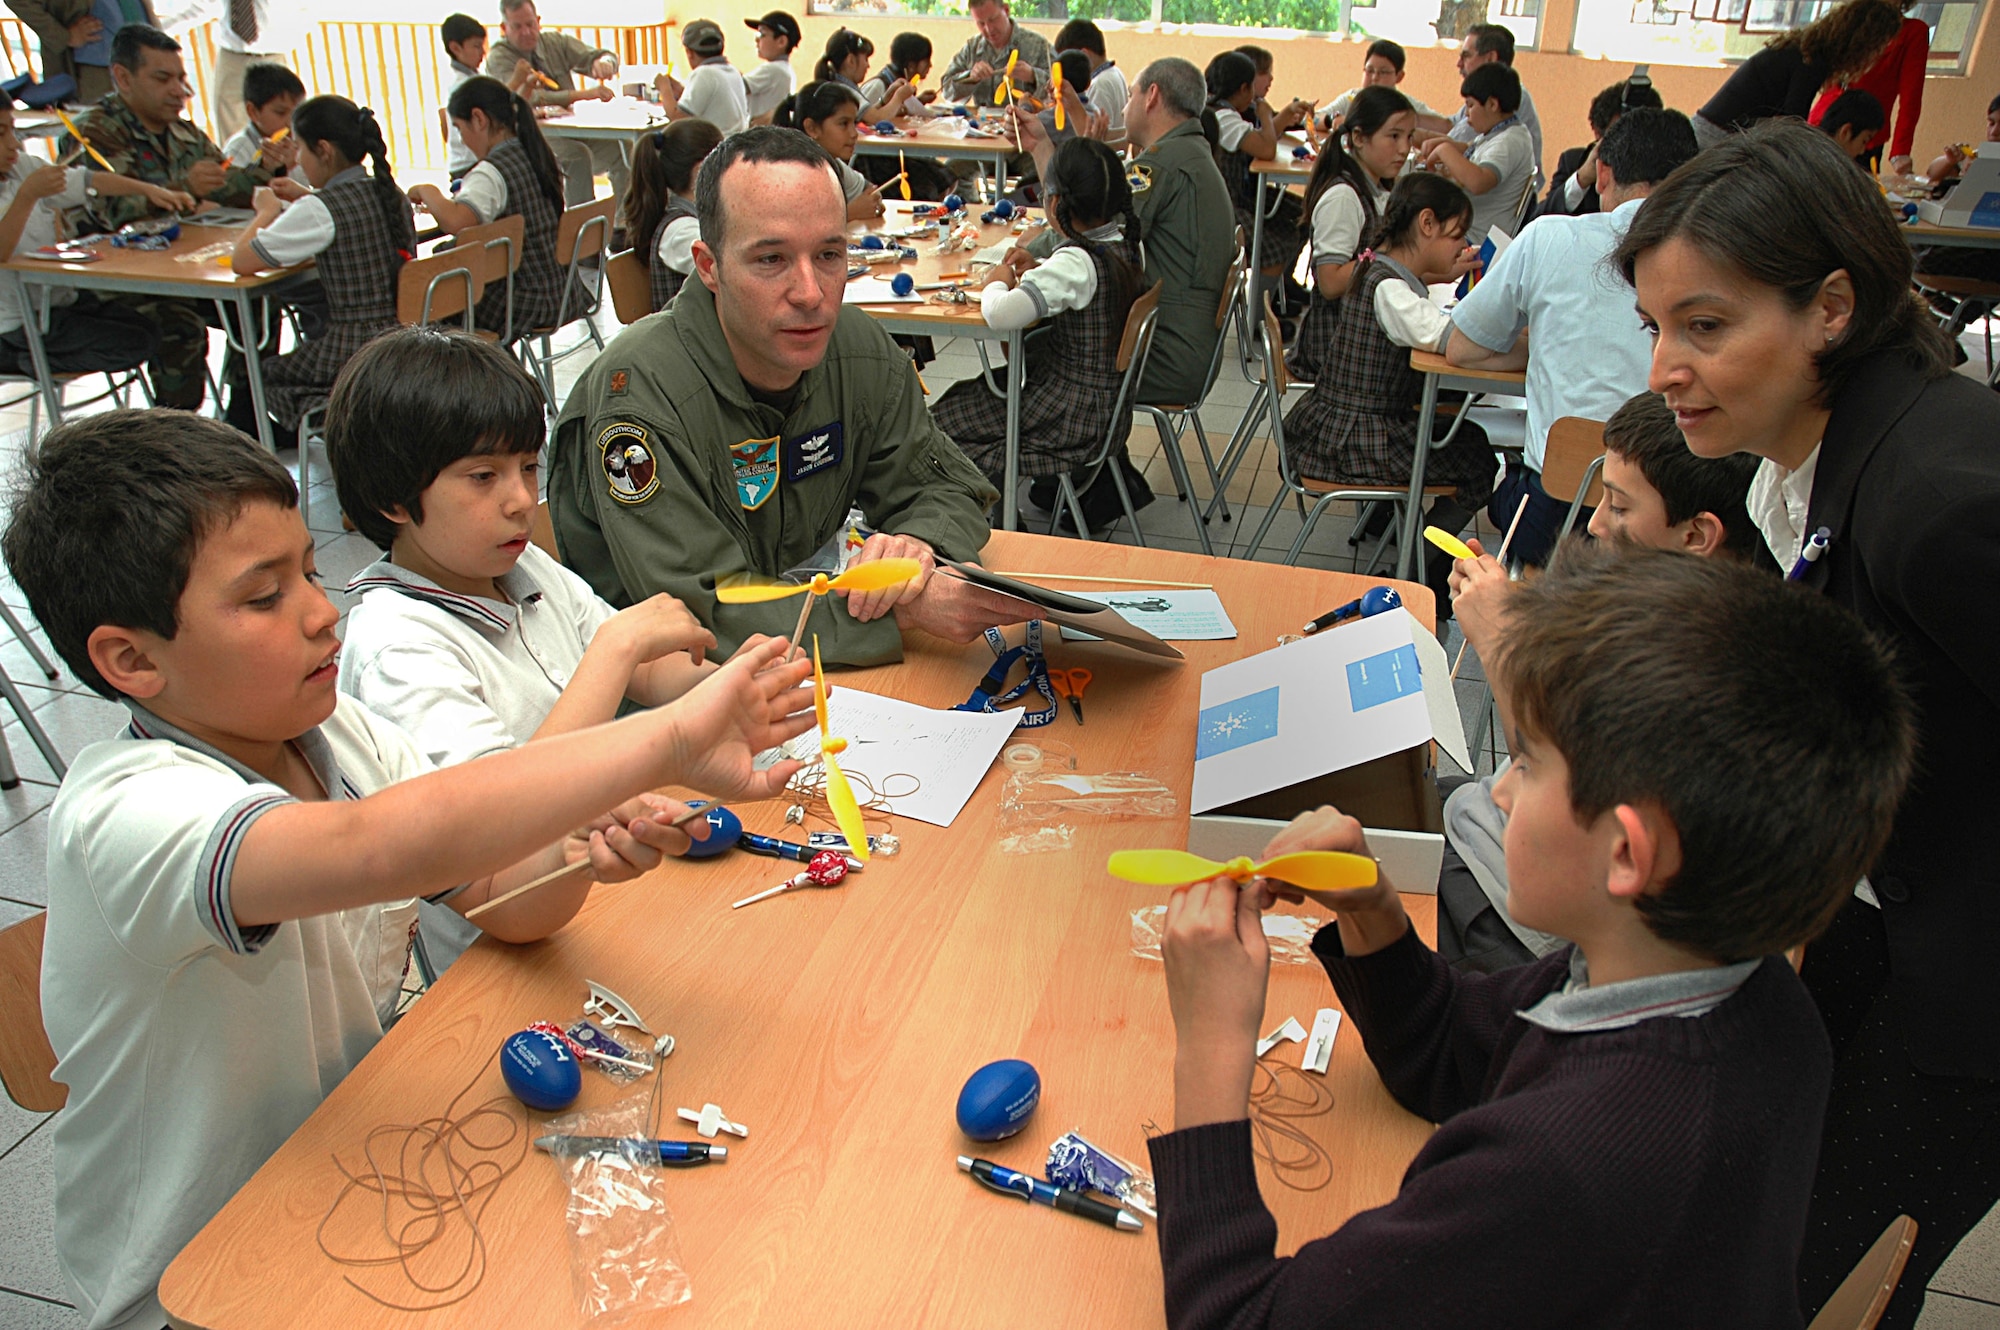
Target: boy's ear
1703,534
122,656
400,515
1645,853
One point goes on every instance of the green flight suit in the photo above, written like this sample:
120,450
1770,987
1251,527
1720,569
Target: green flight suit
667,474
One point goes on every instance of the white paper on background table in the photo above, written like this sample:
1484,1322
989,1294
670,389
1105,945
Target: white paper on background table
1170,615
949,752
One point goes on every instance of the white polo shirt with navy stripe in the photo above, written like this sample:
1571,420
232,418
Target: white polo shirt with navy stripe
193,1047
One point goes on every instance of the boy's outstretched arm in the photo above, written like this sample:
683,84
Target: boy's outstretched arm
424,836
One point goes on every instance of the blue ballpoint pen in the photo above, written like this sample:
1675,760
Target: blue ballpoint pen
785,849
673,1154
1809,553
1030,1188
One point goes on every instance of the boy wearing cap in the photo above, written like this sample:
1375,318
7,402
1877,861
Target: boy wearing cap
771,82
714,92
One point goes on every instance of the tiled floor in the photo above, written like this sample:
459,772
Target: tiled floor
33,1293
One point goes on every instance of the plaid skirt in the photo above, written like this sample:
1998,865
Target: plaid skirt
1330,441
295,381
1284,232
1063,420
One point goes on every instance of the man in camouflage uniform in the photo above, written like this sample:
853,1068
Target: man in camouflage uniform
141,132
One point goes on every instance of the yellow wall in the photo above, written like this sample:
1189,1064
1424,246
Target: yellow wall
1320,67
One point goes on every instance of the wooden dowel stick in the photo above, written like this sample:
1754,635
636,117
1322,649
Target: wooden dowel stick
1108,581
1501,559
568,869
798,631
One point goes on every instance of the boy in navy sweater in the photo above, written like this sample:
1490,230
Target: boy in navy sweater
1629,1126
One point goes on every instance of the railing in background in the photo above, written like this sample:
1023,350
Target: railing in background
397,68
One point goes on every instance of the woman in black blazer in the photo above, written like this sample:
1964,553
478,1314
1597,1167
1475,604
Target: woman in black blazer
1779,291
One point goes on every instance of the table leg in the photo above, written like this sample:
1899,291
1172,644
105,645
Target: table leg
31,325
247,305
1000,185
1413,513
1011,490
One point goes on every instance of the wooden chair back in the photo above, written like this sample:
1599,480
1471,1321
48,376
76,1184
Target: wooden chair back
442,286
631,286
576,238
502,241
1231,293
1575,445
26,1059
1135,320
1274,359
1863,1296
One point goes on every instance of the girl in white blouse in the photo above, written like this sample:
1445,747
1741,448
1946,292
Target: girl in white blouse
827,112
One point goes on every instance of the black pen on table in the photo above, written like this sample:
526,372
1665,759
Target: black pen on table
1030,1188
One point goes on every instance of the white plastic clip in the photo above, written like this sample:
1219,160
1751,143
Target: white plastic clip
1290,1032
710,1120
613,1010
1319,1048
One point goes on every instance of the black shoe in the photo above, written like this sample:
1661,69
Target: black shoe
1101,508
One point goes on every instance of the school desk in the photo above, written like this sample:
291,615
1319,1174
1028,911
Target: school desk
838,1027
1960,237
1440,373
936,137
1286,171
174,271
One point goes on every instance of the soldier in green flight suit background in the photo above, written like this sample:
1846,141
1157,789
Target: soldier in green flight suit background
733,432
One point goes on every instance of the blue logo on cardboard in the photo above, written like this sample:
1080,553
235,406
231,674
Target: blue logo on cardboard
1228,726
1384,678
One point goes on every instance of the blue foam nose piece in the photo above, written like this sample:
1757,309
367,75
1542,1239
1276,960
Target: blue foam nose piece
1004,209
903,284
871,242
724,830
954,203
885,127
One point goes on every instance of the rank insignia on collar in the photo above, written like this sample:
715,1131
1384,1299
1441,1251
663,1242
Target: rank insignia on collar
629,466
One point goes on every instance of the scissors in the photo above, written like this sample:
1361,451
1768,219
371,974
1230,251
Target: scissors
1071,683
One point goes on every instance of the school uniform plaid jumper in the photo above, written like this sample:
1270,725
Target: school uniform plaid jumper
1284,224
666,282
1358,425
1067,399
538,283
358,272
1314,343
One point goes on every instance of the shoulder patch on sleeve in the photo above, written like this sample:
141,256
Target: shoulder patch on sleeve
626,455
1139,177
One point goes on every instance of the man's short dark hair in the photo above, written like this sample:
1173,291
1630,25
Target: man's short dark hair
458,28
266,80
1494,40
1856,109
1758,716
1644,433
109,511
130,41
1616,100
1493,83
1183,90
757,144
1080,34
412,402
1391,51
1646,146
509,6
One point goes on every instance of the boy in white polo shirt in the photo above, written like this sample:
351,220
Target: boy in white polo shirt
1498,166
220,948
468,635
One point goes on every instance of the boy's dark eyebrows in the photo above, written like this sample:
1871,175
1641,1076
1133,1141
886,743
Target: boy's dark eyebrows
276,563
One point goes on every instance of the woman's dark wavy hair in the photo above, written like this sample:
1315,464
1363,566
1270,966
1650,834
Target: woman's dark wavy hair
1784,207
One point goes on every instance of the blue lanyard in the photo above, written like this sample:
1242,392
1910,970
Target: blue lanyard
988,695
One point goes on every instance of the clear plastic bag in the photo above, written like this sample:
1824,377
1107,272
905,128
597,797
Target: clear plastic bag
624,1253
1045,797
1289,935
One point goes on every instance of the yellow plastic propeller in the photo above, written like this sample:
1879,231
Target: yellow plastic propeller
1055,86
1005,92
872,576
839,795
903,169
1449,543
1315,870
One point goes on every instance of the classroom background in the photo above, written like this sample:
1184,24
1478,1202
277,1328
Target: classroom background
388,56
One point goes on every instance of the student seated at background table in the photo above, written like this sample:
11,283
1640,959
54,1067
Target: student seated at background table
1357,167
659,207
1853,121
909,61
231,880
1781,79
1551,306
1639,1107
270,94
1246,130
1085,289
516,174
753,415
1358,425
464,39
1109,90
1896,80
468,636
845,62
714,92
140,129
1573,187
1498,166
85,333
1493,44
772,80
356,224
827,113
1656,493
1946,165
1079,120
1381,67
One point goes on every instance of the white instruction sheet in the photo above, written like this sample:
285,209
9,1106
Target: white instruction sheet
946,752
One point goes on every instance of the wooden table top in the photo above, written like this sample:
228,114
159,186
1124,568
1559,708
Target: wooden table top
929,266
175,264
1967,237
1430,362
933,135
599,119
838,1027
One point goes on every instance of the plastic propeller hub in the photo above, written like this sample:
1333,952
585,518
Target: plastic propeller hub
820,584
835,746
1242,868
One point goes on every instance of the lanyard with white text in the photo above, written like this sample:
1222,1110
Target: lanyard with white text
988,695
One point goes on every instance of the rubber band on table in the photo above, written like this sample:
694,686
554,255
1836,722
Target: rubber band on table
1280,1095
808,789
428,1189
